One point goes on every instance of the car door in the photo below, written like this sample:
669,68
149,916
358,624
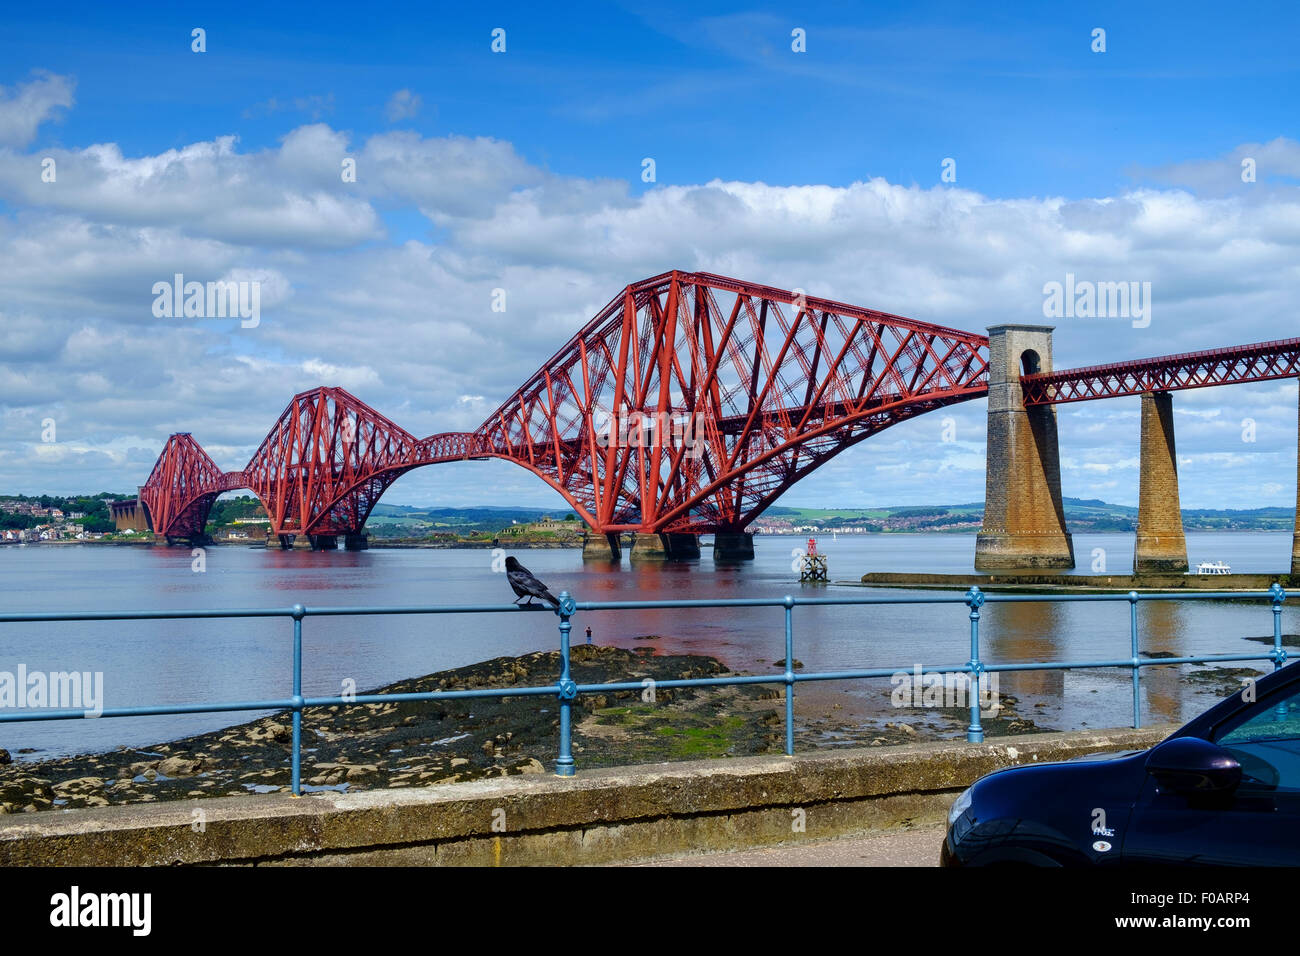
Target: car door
1258,824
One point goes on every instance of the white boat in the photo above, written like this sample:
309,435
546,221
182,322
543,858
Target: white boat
1212,567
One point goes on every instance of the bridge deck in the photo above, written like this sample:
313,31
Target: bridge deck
1233,365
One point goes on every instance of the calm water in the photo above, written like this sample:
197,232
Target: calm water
188,661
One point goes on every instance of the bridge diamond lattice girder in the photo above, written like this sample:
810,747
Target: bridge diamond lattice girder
730,391
1234,365
755,386
755,380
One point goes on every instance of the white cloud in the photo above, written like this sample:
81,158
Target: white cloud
1278,159
23,108
444,177
273,287
402,105
204,190
409,326
314,106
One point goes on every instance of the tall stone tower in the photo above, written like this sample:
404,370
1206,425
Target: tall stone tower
1161,546
1024,519
1295,542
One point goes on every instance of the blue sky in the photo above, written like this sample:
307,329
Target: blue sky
1015,92
523,169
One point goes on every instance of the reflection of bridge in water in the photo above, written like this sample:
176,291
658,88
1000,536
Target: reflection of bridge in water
772,384
1042,632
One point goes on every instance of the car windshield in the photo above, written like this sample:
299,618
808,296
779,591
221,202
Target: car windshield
1265,740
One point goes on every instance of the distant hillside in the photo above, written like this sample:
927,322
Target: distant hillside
1089,514
405,520
1081,514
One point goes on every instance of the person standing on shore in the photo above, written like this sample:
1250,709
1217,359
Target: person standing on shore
588,633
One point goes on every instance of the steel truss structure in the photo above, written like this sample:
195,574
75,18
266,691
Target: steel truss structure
689,403
1234,365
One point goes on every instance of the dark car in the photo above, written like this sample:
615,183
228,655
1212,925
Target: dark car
1222,791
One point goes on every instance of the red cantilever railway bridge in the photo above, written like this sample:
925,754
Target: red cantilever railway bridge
773,384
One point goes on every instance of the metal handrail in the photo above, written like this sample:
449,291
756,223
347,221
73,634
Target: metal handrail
567,690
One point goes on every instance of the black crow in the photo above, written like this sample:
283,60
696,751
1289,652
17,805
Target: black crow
525,585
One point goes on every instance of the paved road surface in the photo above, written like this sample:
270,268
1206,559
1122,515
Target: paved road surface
913,847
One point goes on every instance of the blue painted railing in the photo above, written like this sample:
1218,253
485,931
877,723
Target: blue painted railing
567,690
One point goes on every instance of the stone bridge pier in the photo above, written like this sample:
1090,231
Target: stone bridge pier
733,546
316,542
674,546
1295,541
1161,547
598,546
1024,519
665,547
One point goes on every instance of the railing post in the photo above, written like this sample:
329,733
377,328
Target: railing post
566,689
1277,596
789,676
295,779
975,600
1136,661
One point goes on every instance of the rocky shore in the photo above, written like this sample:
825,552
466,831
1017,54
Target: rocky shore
420,743
405,744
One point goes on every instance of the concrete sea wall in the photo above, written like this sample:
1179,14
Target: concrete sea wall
599,816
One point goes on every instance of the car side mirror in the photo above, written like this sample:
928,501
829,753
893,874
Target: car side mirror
1193,767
